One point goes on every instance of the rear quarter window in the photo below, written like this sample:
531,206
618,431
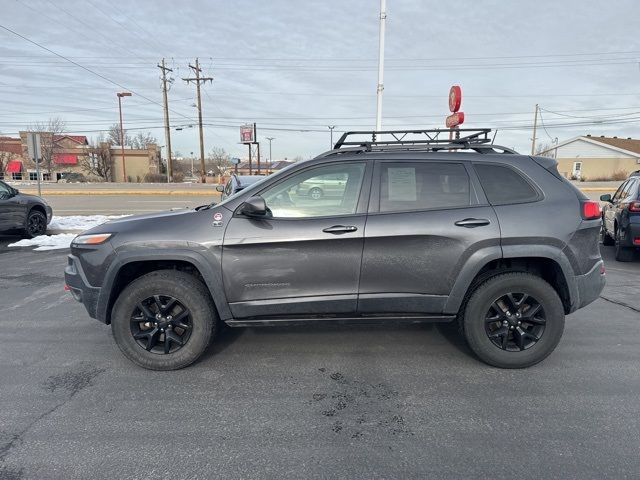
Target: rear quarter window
504,185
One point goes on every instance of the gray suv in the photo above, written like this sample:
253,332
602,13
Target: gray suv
425,230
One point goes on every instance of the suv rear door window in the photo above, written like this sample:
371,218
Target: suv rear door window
504,185
423,186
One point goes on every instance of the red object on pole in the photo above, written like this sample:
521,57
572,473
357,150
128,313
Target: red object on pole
455,98
455,119
124,168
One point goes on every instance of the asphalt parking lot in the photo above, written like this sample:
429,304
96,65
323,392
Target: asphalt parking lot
317,402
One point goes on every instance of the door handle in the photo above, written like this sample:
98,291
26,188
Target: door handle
472,222
338,229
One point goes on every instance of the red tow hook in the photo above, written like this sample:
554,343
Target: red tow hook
66,288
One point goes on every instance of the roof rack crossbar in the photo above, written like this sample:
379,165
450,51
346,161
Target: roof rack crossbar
462,136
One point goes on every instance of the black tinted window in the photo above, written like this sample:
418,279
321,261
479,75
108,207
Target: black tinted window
505,185
422,186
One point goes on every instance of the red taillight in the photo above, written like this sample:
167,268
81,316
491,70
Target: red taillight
636,241
634,207
590,210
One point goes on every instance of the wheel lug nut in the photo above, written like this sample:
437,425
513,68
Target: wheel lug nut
169,318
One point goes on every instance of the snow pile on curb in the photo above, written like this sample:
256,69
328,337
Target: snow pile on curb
46,242
77,223
80,222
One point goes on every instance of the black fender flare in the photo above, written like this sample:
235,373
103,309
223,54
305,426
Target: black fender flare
211,275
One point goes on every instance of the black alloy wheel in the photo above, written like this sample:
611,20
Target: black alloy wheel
515,322
161,324
36,224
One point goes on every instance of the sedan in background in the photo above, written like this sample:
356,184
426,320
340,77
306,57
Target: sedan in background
237,183
27,214
621,218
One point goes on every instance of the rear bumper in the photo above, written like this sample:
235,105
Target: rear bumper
49,211
79,287
589,286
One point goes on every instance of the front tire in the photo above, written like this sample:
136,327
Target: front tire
163,320
35,224
513,320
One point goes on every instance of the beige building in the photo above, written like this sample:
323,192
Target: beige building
70,154
596,158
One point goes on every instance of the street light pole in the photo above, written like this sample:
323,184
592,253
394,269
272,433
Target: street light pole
124,167
270,157
331,127
383,20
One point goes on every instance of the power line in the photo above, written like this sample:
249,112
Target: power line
84,68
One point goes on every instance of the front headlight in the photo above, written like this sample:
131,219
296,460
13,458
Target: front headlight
95,239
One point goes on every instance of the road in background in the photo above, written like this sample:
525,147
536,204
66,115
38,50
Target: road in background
315,402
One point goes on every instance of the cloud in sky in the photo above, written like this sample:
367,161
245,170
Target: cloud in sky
305,65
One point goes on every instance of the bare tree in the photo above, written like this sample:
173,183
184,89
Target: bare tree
217,161
98,160
48,131
113,135
541,147
142,140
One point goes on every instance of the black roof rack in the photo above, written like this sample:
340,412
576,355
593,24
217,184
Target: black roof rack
476,139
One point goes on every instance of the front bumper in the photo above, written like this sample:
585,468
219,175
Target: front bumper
76,282
49,211
589,286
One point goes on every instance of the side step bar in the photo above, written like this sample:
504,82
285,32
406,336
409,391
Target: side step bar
368,320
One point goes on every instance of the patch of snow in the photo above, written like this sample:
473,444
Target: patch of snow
46,242
80,222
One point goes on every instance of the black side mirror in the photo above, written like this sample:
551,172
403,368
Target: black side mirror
254,207
605,198
220,188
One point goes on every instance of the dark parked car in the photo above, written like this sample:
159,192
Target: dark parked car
27,214
621,218
237,183
425,230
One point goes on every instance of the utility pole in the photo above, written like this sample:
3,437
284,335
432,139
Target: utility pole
535,126
331,127
198,80
167,130
270,157
383,20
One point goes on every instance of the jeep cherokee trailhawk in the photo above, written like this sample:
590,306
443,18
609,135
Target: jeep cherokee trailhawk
419,229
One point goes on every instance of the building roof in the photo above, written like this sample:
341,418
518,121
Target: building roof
630,146
80,139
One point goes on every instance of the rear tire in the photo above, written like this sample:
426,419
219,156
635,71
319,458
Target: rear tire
150,326
316,193
623,254
490,320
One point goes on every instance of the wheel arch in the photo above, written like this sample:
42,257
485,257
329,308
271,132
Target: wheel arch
545,262
131,266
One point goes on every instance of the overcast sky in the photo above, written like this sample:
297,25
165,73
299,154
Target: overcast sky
292,65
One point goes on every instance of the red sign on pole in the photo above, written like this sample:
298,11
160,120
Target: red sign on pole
455,119
247,134
455,98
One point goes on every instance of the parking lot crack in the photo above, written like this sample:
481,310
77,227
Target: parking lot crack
622,304
73,382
